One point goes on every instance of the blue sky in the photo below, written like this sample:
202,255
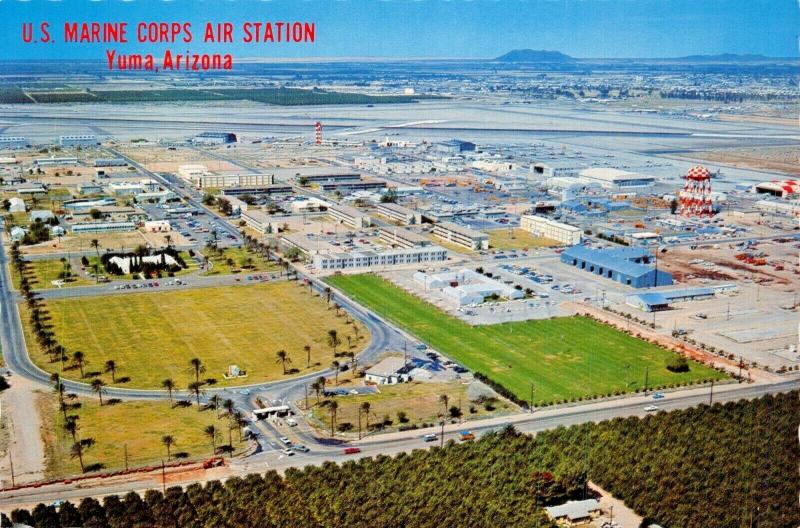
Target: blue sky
439,28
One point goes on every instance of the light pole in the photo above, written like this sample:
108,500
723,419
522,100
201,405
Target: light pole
441,441
532,391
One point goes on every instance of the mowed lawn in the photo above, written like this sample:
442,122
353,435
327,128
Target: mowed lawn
115,427
153,336
42,273
564,358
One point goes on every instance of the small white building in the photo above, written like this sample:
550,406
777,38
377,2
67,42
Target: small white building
16,205
390,371
157,226
17,233
42,215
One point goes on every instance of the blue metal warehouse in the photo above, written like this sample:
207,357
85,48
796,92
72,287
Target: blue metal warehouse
629,266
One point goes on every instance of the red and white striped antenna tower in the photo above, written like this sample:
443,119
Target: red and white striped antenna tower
695,199
318,132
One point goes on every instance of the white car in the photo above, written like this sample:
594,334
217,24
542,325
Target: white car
287,452
285,440
651,408
291,422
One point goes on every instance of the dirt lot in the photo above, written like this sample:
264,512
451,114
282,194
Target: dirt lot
779,159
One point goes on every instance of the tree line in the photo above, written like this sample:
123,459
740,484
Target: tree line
731,465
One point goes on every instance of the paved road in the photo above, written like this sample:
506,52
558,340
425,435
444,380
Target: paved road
394,443
18,360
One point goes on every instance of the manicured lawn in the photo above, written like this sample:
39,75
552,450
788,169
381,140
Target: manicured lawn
41,274
563,358
517,239
115,427
153,336
419,400
231,260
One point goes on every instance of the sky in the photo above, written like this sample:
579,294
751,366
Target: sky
433,28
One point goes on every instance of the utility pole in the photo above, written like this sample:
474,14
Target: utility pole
441,442
163,477
305,386
532,391
711,393
126,457
646,375
11,463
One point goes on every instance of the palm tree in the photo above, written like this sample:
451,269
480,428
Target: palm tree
97,386
333,407
335,366
363,409
214,401
168,240
444,399
198,367
79,360
283,359
96,245
195,388
317,388
111,366
76,451
71,426
307,350
211,432
229,407
333,339
328,295
336,308
169,386
168,441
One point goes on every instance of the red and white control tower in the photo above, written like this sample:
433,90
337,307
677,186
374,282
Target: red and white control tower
695,199
318,132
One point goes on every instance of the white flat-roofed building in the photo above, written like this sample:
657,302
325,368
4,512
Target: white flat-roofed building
13,142
788,207
221,181
192,171
404,238
55,162
103,227
466,287
615,179
156,197
372,259
390,371
350,216
548,228
125,188
157,226
461,235
78,140
259,221
90,188
399,213
31,188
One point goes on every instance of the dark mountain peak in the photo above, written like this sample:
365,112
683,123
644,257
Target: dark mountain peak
529,55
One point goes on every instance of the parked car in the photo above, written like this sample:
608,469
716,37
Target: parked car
352,450
300,448
658,396
465,436
430,437
651,408
285,440
288,451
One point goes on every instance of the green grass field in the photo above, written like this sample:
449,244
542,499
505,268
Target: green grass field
42,273
230,260
153,336
144,446
564,358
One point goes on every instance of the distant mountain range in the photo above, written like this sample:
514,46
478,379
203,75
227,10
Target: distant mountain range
545,56
529,55
725,57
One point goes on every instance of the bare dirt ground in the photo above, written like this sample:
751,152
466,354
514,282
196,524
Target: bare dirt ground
779,159
614,509
24,425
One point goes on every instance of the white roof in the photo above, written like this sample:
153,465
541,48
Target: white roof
609,174
387,367
573,509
